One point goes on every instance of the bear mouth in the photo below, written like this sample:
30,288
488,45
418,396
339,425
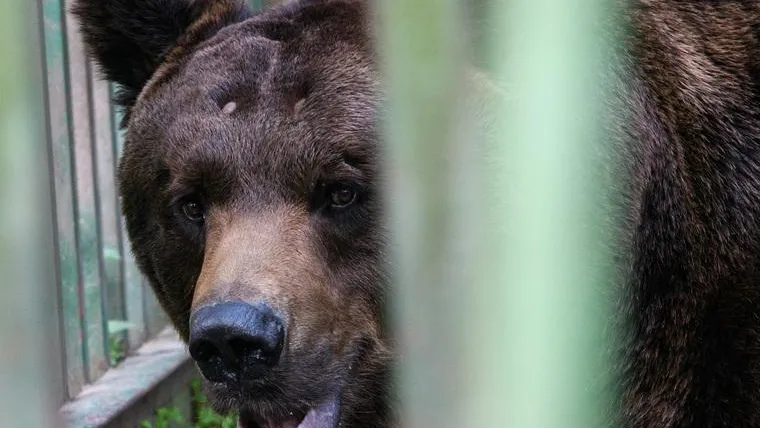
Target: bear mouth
325,415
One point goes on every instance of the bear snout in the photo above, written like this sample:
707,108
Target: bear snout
236,341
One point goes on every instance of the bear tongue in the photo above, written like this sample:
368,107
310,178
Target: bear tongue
290,422
324,416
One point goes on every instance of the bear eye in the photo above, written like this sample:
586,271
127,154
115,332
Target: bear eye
194,211
342,195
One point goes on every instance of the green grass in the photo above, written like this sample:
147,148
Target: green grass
203,415
117,346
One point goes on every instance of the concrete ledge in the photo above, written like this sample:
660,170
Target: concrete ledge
130,392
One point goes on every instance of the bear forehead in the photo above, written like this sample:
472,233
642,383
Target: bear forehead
243,64
251,104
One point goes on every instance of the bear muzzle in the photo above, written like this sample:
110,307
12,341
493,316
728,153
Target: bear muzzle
234,342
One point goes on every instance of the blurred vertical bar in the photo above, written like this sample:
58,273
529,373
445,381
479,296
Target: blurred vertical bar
28,321
423,46
88,223
543,301
501,245
59,125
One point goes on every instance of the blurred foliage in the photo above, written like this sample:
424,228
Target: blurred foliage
117,344
203,415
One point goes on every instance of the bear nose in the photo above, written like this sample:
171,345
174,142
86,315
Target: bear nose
235,341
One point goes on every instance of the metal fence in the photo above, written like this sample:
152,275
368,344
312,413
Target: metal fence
100,286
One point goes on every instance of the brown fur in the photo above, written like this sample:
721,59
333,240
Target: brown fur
692,357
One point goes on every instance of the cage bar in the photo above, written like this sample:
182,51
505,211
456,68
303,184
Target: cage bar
28,317
59,122
502,280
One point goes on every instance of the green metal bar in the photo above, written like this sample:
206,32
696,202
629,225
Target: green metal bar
502,278
110,242
88,228
28,316
56,56
131,276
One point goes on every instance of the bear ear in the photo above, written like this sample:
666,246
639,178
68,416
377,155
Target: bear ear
128,39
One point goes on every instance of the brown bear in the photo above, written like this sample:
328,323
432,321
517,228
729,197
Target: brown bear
248,182
251,189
